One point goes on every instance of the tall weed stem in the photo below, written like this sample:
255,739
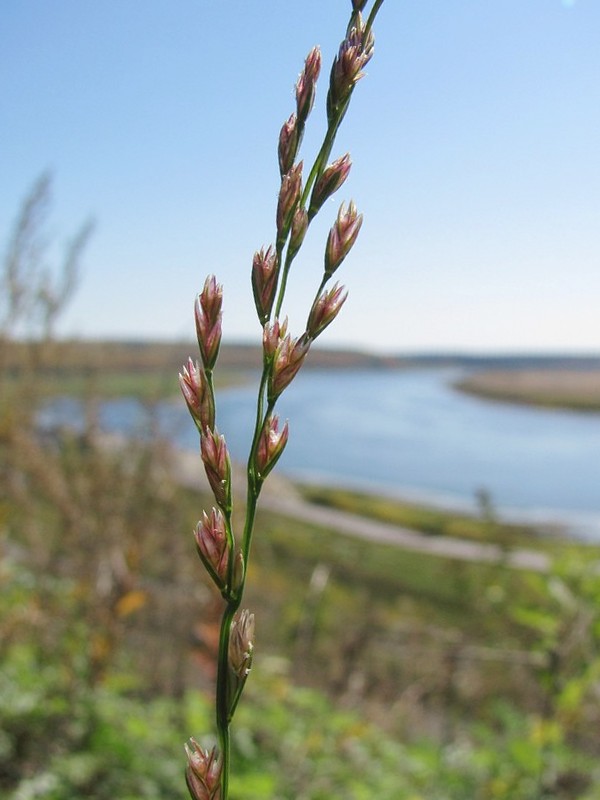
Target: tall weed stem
208,772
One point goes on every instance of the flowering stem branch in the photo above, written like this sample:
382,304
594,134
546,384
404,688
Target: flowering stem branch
207,774
317,169
323,155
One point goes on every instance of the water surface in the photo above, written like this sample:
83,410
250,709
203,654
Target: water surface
409,433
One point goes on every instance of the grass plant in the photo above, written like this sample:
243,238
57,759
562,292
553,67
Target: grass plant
225,553
381,672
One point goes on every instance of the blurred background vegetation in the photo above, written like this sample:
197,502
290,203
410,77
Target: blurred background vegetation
378,672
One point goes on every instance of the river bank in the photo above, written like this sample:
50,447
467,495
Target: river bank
406,434
574,389
528,548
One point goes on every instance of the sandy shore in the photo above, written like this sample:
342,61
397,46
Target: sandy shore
576,389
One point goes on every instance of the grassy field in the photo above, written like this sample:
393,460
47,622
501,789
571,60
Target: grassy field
148,371
145,369
396,617
576,389
107,600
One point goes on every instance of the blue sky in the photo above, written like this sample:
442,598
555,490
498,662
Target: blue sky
474,137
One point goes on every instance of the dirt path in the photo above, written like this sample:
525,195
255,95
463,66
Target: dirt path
280,496
407,539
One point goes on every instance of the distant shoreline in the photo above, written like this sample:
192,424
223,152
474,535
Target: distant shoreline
142,355
149,369
573,389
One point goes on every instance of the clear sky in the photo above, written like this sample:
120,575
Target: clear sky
475,140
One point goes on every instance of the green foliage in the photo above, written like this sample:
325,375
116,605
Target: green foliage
63,739
60,736
309,750
293,744
405,654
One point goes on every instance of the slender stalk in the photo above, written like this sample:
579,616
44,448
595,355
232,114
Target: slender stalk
373,13
321,159
253,487
249,528
235,654
253,490
283,285
222,700
322,285
225,704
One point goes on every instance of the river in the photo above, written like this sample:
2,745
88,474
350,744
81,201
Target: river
410,434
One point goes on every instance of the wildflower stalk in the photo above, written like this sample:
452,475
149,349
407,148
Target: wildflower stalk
226,562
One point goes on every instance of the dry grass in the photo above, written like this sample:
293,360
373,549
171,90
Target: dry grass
577,389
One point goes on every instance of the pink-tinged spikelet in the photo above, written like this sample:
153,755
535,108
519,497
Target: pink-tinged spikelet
271,444
208,315
332,177
217,466
342,236
194,387
203,772
325,309
212,545
264,281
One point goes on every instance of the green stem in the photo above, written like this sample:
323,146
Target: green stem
376,6
249,528
208,374
321,159
322,285
258,424
283,279
254,486
223,715
224,707
283,283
